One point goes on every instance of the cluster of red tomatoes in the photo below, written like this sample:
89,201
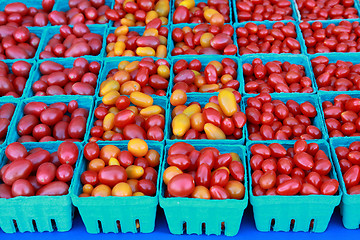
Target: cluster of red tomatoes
37,171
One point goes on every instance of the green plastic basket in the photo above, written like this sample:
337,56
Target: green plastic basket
350,204
117,214
294,213
190,216
38,213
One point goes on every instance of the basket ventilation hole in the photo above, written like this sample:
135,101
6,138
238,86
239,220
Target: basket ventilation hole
137,223
311,226
15,225
100,226
272,224
292,224
53,224
118,225
184,227
203,228
223,228
34,225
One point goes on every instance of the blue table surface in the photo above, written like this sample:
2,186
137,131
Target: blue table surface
247,231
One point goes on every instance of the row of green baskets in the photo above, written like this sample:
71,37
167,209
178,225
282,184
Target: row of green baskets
184,215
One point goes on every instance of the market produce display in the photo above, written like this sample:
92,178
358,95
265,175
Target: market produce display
87,11
278,38
212,11
203,174
220,118
273,119
339,37
335,76
193,76
349,160
203,39
301,170
264,10
118,106
17,14
275,76
58,121
147,76
324,10
19,43
139,13
80,79
341,116
13,79
73,41
116,120
6,113
37,171
152,42
112,172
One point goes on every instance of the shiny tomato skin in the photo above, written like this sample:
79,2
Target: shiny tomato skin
19,169
64,172
150,174
223,160
56,188
309,189
203,175
22,187
111,175
179,160
15,151
46,173
314,179
147,187
91,151
206,157
51,116
134,131
77,127
89,177
288,188
352,176
5,191
68,153
329,187
181,185
220,178
39,157
237,170
27,124
180,148
218,192
268,180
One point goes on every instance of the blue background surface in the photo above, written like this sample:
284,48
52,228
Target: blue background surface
247,231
